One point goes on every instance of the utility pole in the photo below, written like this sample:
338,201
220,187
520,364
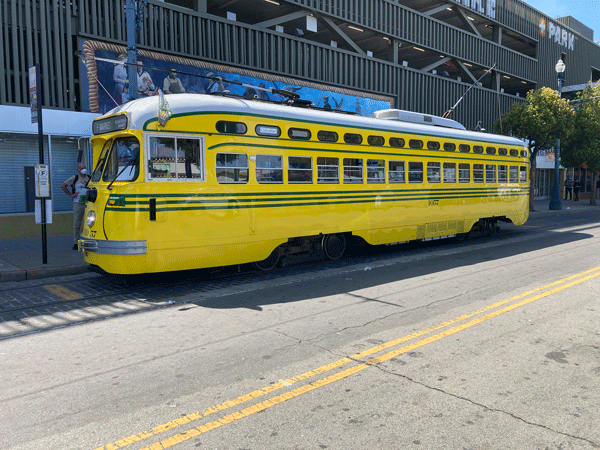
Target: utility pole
131,17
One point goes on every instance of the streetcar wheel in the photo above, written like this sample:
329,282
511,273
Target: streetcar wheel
270,262
334,246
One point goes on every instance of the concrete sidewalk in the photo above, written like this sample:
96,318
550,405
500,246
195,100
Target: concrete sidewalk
21,259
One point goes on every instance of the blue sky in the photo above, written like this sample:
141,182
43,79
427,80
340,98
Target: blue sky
586,11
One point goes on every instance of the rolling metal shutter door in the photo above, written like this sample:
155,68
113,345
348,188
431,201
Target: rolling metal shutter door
64,166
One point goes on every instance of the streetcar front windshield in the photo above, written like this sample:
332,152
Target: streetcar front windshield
100,166
123,162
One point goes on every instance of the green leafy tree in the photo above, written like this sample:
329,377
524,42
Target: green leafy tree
583,148
541,119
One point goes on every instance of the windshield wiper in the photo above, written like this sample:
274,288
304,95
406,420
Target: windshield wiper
129,163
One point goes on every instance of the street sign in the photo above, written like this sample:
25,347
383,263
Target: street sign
42,180
33,94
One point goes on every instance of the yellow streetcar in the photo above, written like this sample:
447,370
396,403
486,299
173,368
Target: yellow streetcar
230,181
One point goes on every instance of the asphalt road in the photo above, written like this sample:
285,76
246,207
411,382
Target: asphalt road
489,344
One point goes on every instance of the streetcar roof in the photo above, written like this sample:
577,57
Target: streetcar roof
143,110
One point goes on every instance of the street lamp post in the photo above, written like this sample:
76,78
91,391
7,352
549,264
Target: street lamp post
555,203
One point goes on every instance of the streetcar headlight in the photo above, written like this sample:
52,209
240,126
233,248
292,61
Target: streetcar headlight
90,219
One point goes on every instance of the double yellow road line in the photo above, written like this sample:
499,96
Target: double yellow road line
360,363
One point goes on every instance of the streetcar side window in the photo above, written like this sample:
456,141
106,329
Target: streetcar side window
524,154
268,130
299,133
464,148
464,173
176,158
477,149
415,172
449,172
375,171
513,174
502,151
300,169
490,173
523,174
269,169
232,168
224,126
376,140
449,146
327,136
353,170
490,150
434,172
514,152
396,171
433,145
477,173
502,173
353,138
328,170
162,158
415,143
397,142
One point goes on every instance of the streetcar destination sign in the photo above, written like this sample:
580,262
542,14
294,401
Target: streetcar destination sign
110,124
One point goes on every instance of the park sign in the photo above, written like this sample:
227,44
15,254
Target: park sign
557,33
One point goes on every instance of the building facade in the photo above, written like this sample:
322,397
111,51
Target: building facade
415,55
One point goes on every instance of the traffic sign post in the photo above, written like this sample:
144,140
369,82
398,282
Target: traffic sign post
42,173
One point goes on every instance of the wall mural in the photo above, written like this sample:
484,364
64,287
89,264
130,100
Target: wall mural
107,83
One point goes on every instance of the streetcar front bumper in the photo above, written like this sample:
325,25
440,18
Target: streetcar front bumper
113,247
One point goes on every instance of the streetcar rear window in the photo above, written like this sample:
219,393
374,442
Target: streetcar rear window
523,174
232,168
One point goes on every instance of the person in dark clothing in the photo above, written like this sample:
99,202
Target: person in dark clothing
569,188
576,189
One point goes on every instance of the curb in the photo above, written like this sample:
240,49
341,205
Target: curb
45,272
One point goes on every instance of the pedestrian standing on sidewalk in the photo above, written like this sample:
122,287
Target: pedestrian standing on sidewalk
77,185
569,188
576,189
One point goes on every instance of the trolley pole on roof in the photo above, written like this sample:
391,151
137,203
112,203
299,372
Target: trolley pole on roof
131,22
